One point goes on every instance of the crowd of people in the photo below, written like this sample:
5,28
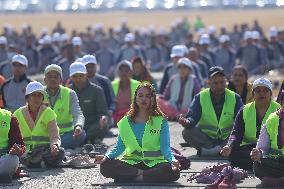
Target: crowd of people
95,80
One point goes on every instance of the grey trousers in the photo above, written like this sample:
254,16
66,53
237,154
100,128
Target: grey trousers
197,139
9,164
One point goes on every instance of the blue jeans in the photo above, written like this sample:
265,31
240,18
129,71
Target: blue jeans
69,142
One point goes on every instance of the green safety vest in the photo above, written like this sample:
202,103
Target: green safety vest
39,135
208,122
249,117
5,120
272,125
150,152
133,86
62,110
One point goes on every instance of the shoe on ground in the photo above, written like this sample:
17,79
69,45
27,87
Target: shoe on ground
208,178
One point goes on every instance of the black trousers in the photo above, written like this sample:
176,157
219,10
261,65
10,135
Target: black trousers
121,171
240,157
269,167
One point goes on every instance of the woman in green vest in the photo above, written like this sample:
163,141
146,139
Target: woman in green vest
124,88
268,156
38,125
248,124
142,152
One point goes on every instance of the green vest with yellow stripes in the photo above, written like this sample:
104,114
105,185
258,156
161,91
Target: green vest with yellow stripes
208,122
150,153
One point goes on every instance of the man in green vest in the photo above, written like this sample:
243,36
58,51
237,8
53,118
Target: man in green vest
65,104
124,89
11,146
248,123
211,115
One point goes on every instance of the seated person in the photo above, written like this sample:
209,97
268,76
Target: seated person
64,102
38,124
248,123
210,119
240,85
180,91
11,146
142,152
141,73
268,156
92,102
124,88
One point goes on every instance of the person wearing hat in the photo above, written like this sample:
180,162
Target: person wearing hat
124,89
32,54
177,52
77,44
90,62
65,103
210,118
3,48
129,49
38,125
250,55
268,155
206,53
47,52
248,124
13,89
224,54
180,90
92,102
12,146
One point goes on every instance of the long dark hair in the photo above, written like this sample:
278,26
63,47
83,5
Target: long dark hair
154,109
145,75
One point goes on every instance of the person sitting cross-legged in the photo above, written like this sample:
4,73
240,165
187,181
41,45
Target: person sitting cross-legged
248,123
210,118
142,152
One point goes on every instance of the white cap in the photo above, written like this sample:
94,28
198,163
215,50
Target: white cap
64,37
20,59
89,59
262,82
211,30
124,63
224,38
273,32
204,39
53,67
248,35
34,87
177,50
3,40
186,62
46,40
77,67
255,35
76,41
129,37
56,37
185,49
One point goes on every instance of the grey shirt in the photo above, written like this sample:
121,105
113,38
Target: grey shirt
78,117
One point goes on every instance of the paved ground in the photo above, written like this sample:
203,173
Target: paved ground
90,178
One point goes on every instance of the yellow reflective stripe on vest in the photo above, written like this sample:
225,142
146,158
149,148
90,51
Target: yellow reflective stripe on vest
272,127
208,122
37,139
249,117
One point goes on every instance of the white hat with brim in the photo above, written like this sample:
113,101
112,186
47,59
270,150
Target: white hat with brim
177,51
186,62
89,59
34,87
262,82
53,67
76,41
77,68
20,59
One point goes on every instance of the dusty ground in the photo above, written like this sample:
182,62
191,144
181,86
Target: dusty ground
79,21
